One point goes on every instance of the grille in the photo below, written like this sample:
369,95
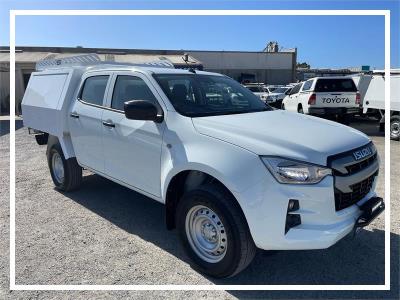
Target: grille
360,190
361,165
344,165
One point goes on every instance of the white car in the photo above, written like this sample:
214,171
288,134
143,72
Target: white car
324,96
260,91
276,97
208,149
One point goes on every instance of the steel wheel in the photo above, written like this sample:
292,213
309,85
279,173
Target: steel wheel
206,234
58,167
395,129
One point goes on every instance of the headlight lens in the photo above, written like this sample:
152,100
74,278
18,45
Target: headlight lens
290,171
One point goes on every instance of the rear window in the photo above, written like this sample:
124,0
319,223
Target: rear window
335,85
93,89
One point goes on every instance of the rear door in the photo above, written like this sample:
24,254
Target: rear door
335,92
85,121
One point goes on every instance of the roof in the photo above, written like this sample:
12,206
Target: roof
330,77
150,70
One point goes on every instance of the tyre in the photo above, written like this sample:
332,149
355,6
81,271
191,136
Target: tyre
66,173
300,109
283,106
395,127
214,231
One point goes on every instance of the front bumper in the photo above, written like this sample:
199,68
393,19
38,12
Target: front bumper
321,225
318,111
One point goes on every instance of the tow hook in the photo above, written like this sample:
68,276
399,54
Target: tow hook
371,209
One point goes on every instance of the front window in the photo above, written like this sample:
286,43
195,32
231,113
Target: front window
196,95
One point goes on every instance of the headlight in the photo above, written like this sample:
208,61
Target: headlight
290,171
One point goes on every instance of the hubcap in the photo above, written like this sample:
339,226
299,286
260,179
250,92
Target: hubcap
58,167
395,129
206,234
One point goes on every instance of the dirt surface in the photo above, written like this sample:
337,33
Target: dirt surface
107,234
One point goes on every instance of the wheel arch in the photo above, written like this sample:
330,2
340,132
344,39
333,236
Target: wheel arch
185,180
65,143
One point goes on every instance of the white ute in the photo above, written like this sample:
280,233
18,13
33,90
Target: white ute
324,96
233,174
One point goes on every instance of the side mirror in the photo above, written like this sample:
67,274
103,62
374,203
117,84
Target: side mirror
143,110
288,92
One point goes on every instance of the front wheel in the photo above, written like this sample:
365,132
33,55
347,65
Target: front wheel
66,173
395,128
214,231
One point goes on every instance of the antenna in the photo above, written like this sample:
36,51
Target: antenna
185,58
94,59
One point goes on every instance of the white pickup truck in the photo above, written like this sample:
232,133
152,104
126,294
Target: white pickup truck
324,96
208,149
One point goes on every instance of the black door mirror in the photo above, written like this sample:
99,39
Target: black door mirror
143,110
288,92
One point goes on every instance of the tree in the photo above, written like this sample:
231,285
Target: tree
303,65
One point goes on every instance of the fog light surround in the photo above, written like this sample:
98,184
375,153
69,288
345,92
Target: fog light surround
292,220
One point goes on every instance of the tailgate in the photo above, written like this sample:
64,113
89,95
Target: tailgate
336,100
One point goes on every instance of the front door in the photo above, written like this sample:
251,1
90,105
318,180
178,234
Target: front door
132,148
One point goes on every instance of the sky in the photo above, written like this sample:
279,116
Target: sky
321,41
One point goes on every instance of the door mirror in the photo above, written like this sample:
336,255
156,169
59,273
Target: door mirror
288,92
143,110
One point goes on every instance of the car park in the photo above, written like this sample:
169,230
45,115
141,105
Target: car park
260,90
325,96
276,97
208,149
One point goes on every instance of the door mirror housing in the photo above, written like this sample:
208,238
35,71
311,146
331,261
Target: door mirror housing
143,110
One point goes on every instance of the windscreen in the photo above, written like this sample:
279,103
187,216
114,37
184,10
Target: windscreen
197,95
335,85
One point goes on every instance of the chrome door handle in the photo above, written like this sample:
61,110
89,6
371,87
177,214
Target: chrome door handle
108,124
74,115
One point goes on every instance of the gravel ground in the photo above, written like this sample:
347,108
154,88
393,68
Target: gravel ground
107,234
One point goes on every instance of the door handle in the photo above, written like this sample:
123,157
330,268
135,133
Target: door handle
108,123
74,115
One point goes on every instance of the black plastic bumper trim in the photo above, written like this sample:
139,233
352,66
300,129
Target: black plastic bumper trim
370,210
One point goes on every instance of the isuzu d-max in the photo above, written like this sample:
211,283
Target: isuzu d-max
234,174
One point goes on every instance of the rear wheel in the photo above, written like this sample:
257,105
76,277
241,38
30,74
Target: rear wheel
395,128
300,109
66,173
214,231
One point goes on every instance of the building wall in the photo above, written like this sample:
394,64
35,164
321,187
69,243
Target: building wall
21,70
270,68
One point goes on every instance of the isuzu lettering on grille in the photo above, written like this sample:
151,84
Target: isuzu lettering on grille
360,154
